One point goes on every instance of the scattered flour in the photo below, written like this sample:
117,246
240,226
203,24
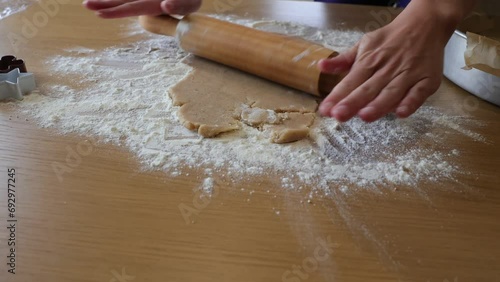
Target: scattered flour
9,7
120,95
208,185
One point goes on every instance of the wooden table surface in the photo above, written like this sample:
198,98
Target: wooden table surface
107,221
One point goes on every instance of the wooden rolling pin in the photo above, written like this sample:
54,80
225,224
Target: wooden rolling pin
287,60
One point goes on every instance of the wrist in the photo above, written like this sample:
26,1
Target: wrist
453,11
439,18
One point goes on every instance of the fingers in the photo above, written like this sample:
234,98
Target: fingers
356,77
361,96
373,89
130,9
340,63
388,99
417,96
96,5
373,99
180,7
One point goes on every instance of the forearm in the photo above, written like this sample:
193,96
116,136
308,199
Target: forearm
453,11
442,15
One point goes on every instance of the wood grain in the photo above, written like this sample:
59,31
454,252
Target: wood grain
106,218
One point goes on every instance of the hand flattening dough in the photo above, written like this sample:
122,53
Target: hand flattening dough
215,99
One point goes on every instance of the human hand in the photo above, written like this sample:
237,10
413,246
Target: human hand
130,8
393,69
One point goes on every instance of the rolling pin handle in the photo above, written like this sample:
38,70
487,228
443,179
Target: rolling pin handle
164,25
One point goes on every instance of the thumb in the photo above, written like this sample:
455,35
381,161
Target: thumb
339,64
180,7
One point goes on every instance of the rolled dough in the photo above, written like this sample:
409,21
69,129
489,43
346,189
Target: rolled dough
214,99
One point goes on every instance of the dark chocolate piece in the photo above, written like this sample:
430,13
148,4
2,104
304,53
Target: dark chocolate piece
9,63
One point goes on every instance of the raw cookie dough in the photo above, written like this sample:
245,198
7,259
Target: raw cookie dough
215,99
295,127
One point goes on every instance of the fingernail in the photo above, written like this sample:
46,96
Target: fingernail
341,112
323,66
320,65
325,108
404,110
368,111
165,6
170,7
100,14
334,70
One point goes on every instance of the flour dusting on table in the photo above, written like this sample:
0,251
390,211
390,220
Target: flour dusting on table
9,7
120,95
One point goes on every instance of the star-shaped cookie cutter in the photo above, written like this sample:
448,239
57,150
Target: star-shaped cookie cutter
14,84
14,78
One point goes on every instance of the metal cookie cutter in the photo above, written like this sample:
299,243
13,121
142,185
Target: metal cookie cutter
14,80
